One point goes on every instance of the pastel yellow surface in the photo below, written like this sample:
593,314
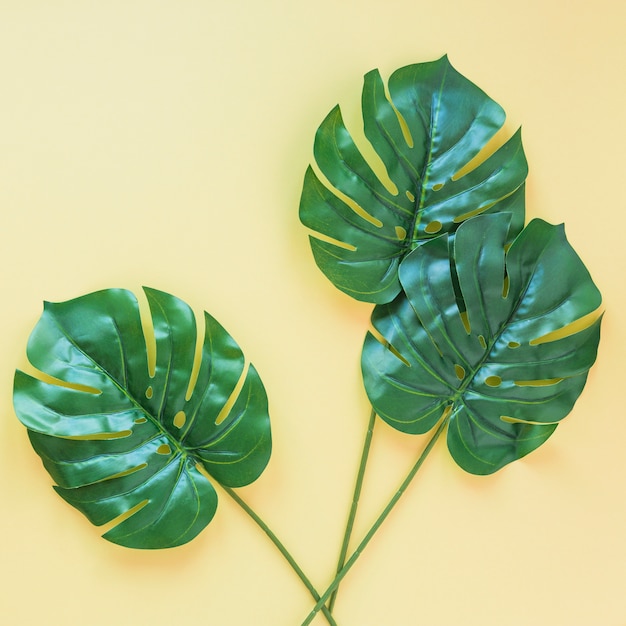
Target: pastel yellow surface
164,143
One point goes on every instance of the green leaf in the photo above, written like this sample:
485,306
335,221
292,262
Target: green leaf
432,125
510,367
119,433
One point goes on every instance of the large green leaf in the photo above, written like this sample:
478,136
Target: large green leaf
507,369
426,133
117,437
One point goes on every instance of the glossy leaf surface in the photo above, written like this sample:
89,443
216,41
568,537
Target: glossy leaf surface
505,371
119,431
432,125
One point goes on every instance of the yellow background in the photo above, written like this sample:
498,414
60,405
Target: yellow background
164,143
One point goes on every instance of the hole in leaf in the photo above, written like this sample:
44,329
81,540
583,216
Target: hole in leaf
458,296
366,216
498,139
410,196
466,322
357,208
374,332
438,186
482,209
459,371
404,127
164,449
434,227
101,436
482,342
505,285
141,420
197,357
569,329
149,392
514,344
461,218
546,382
127,472
334,242
223,414
493,381
397,354
124,516
148,333
400,233
515,420
179,419
46,378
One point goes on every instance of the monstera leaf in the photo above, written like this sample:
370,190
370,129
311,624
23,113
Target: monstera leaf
427,135
505,370
126,435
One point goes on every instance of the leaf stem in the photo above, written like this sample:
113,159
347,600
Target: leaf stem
281,548
381,518
355,505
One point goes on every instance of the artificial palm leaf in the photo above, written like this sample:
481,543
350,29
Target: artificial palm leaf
429,133
506,369
136,439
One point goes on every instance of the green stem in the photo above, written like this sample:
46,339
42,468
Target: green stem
276,541
355,505
381,518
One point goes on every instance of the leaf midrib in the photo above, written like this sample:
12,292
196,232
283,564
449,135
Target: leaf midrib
421,197
124,390
470,379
